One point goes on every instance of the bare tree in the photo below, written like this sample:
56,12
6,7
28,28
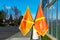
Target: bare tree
11,17
6,11
1,16
17,12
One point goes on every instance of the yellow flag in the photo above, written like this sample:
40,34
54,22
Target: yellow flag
26,22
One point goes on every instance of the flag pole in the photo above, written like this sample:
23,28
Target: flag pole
31,33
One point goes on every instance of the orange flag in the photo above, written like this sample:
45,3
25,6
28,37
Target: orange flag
40,22
26,22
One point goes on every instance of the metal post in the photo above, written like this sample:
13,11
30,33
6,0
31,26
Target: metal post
57,19
47,17
52,22
31,33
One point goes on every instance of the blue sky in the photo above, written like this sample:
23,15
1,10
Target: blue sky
22,5
59,9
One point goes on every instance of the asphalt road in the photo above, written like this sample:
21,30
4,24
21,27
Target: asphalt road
12,32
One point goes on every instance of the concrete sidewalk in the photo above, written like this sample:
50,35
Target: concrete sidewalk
18,39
